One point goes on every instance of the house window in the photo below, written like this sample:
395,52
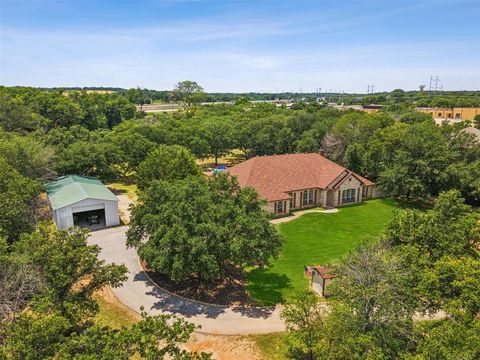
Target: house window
457,116
348,196
364,192
307,197
439,114
293,200
279,208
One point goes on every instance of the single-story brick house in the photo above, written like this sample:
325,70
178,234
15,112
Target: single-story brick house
297,181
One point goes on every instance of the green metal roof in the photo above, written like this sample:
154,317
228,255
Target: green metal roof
68,190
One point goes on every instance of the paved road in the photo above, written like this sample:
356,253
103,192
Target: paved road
138,291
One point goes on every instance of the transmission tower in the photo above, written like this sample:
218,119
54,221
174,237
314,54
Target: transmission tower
434,83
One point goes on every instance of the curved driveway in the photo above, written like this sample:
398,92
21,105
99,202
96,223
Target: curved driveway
139,291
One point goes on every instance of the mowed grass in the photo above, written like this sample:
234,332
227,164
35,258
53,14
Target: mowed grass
314,239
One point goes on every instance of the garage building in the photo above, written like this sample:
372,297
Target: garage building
82,201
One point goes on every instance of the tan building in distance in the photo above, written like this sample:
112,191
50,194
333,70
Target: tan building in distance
462,113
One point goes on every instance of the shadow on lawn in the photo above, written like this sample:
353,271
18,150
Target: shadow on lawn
117,191
266,287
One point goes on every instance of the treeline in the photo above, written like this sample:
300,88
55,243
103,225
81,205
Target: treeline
29,109
413,98
48,133
446,99
398,97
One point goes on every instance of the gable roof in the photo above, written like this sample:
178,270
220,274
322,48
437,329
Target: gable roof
276,175
67,190
346,175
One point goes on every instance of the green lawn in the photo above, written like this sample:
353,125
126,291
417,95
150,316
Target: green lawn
269,345
317,238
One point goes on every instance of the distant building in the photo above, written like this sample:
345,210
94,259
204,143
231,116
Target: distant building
460,113
297,181
365,108
82,201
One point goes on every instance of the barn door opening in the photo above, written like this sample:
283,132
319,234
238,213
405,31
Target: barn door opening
93,219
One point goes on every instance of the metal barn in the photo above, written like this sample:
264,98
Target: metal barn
82,201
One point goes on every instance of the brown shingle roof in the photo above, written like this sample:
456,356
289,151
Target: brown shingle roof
274,176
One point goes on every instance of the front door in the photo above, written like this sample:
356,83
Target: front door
329,198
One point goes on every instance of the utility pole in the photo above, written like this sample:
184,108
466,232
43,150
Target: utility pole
368,89
372,88
430,85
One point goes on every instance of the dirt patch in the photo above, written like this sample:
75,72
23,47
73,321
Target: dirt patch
124,208
231,290
224,347
115,314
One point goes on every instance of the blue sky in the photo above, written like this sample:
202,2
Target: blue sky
239,46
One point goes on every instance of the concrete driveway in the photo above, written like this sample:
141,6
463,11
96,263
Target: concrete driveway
139,291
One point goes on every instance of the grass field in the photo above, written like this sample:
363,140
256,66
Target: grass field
317,238
234,157
129,190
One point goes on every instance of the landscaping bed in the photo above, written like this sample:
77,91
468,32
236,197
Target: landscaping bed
230,291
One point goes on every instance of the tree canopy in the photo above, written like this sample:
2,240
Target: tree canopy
166,163
188,92
64,272
201,227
